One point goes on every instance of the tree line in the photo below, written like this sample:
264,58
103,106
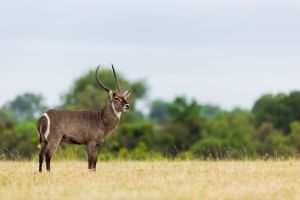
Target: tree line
177,129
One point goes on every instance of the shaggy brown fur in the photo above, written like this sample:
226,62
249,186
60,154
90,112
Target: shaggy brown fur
80,127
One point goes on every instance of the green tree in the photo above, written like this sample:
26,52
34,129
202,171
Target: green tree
295,135
25,107
86,94
160,112
186,123
273,109
19,141
210,111
5,121
264,131
293,102
230,135
280,110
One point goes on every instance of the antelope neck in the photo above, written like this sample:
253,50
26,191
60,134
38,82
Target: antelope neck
118,114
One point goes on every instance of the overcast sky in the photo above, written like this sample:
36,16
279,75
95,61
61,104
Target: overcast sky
224,52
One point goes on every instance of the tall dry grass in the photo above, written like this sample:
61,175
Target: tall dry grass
152,180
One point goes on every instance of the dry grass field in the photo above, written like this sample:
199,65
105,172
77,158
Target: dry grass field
152,180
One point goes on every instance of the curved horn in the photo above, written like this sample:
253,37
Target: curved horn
116,78
99,82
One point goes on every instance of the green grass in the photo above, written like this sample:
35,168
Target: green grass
152,180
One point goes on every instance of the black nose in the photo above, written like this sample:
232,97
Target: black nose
127,106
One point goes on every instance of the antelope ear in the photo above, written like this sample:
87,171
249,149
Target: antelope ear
111,94
127,94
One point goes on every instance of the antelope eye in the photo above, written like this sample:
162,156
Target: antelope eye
118,99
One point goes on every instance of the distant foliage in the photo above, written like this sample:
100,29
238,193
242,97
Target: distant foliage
25,107
178,129
280,110
86,94
160,112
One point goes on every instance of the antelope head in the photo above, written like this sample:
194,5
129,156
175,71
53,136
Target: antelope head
117,99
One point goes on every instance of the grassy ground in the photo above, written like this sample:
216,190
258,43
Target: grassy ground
152,180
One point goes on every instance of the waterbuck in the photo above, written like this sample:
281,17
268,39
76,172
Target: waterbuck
81,127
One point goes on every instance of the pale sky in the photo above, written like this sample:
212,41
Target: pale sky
223,52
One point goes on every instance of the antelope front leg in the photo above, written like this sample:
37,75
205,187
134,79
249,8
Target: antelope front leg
92,156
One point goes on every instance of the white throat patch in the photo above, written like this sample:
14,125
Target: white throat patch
118,114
